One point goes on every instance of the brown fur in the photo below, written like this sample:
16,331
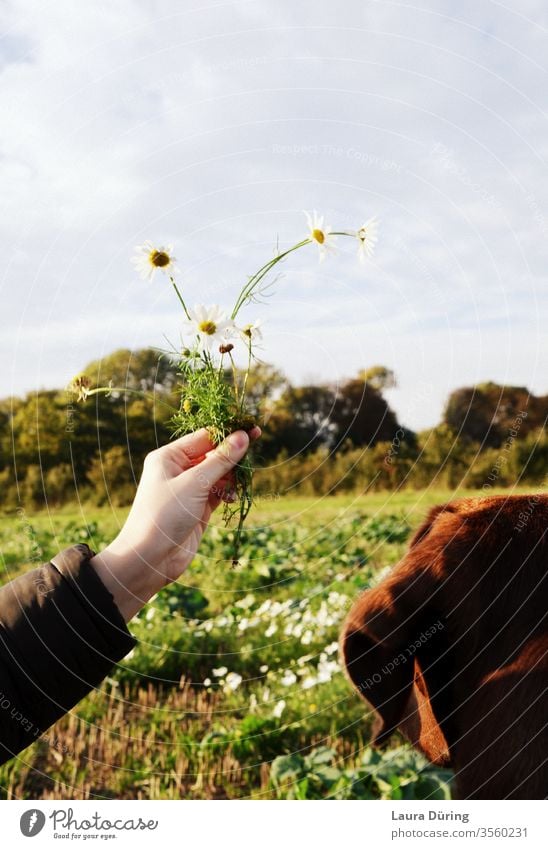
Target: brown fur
472,690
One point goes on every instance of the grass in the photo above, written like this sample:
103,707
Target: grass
234,690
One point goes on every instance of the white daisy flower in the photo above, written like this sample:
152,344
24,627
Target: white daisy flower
222,670
233,681
320,234
252,332
278,709
210,324
148,258
288,678
367,239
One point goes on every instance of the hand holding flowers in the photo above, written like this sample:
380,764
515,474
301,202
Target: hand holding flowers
213,385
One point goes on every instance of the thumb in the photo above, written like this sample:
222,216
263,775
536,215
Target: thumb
219,462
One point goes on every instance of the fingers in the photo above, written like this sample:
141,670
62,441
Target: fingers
185,451
219,463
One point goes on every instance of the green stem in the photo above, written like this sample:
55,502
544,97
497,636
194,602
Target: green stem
234,378
244,387
108,389
173,283
254,281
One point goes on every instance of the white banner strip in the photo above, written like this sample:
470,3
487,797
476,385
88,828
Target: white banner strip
274,825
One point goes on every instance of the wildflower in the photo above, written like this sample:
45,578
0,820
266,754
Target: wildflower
148,259
288,678
207,682
187,405
367,239
218,673
278,709
209,324
252,332
263,668
233,681
80,385
320,234
226,348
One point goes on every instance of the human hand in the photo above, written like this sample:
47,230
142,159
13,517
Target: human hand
182,483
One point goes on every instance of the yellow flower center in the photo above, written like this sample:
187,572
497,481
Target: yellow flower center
207,327
319,236
187,405
247,330
159,259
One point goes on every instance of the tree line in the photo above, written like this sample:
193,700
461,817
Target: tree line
318,438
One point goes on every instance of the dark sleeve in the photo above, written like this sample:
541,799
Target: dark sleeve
60,634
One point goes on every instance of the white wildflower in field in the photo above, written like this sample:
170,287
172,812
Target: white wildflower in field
233,681
219,672
263,668
306,638
150,613
288,678
278,709
271,630
207,682
148,259
308,682
331,648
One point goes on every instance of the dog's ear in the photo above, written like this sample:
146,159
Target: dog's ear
378,638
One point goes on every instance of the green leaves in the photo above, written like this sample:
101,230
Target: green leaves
395,774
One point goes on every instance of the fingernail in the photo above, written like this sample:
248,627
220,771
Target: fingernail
238,440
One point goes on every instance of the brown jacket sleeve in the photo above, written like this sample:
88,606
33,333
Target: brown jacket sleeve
60,634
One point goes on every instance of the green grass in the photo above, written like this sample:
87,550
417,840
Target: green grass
234,689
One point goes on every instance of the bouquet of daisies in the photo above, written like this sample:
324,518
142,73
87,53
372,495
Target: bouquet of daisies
212,384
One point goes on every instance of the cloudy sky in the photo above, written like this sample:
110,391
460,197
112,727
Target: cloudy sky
213,125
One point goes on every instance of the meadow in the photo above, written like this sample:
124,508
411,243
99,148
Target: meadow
234,689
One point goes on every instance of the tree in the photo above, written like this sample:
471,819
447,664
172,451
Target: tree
361,415
379,377
487,413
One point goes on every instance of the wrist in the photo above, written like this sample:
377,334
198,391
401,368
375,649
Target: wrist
128,577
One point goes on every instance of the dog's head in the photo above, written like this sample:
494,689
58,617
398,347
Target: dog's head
388,631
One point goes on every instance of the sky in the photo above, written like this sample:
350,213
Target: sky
212,126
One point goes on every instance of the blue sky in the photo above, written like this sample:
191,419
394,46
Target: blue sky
213,125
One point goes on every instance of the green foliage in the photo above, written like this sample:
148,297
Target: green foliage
488,413
395,774
316,440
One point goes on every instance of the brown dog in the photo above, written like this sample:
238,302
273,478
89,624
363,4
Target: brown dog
452,647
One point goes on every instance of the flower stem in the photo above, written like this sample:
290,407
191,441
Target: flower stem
107,390
173,283
254,281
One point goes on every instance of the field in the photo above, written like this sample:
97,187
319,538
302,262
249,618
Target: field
234,690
